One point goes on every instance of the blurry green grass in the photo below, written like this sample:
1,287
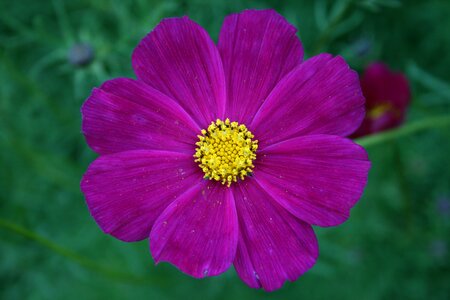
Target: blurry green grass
393,246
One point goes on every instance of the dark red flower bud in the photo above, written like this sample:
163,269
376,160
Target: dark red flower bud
387,98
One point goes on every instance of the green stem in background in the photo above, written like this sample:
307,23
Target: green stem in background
57,169
325,35
74,257
34,90
407,129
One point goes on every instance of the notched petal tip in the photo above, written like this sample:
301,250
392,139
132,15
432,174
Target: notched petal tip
258,48
273,246
126,114
320,96
333,178
124,193
196,235
179,59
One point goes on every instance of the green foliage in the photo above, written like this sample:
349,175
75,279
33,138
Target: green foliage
393,247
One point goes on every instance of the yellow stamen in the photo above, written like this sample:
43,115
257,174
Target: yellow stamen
226,151
380,109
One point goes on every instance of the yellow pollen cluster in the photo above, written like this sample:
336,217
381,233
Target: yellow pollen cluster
225,151
380,110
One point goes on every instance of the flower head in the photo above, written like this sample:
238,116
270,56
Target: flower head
226,154
387,98
226,151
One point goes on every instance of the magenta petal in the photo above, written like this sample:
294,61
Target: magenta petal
273,245
258,47
179,59
198,232
125,114
321,96
317,178
126,192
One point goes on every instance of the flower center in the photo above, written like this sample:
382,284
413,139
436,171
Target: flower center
226,151
380,109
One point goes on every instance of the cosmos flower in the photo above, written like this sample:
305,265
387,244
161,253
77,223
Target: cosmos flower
387,98
226,154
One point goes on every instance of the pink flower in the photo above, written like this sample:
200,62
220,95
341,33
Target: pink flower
226,154
387,98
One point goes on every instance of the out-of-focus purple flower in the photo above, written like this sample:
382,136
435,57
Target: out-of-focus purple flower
226,154
81,55
387,98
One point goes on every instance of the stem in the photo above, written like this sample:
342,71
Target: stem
33,89
380,138
73,256
326,33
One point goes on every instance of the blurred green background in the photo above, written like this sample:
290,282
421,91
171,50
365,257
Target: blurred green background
394,246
